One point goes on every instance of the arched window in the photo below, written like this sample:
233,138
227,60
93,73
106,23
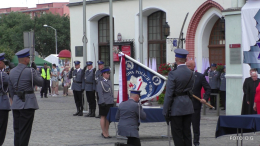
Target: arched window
103,40
217,43
156,38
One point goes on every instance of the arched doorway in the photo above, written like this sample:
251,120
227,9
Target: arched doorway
156,39
217,43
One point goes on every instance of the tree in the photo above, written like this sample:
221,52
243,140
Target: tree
9,53
12,27
45,36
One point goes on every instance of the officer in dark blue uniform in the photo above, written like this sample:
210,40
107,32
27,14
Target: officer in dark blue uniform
128,114
90,87
77,86
24,103
98,75
4,100
213,82
178,106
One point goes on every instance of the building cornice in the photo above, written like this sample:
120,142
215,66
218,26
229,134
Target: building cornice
89,2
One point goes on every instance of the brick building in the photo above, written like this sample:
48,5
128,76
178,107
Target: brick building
55,8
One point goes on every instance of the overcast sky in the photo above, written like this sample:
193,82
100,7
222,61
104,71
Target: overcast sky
25,3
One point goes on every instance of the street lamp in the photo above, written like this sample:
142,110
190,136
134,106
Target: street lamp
45,25
166,28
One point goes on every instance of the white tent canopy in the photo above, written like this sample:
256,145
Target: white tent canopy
53,58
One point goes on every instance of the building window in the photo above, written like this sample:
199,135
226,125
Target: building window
156,39
103,40
79,51
217,43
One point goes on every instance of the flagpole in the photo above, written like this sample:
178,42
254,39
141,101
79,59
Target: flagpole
111,43
84,51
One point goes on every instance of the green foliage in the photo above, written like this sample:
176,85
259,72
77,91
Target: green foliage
14,24
220,68
9,53
161,98
12,27
45,36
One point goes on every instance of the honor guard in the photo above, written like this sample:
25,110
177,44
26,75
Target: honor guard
90,87
106,100
213,82
4,100
222,87
200,81
24,102
178,107
77,86
128,114
98,76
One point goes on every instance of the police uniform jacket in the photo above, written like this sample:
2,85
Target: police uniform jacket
28,79
4,100
200,81
90,82
213,79
222,82
177,80
98,76
105,93
78,80
128,116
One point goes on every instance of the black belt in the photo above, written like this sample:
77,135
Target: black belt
77,82
26,92
181,93
88,82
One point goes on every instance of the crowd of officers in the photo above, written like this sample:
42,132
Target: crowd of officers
179,109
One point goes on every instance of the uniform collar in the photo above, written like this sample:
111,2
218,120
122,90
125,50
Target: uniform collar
181,65
105,79
78,69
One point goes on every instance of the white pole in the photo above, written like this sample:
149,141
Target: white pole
141,30
111,43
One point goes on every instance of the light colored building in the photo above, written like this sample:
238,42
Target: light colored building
204,31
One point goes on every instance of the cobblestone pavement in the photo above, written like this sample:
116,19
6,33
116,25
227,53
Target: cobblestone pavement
54,125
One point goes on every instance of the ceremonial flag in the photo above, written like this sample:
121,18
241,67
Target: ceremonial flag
136,76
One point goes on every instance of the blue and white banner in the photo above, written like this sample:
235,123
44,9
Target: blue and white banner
140,77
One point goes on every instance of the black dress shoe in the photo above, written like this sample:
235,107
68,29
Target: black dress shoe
102,135
223,109
196,144
46,97
41,96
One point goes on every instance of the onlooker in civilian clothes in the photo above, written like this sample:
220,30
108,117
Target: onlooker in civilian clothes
54,80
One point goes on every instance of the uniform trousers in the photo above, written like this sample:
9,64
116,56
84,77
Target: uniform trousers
195,120
223,98
23,120
181,132
3,125
91,99
132,141
78,98
213,98
97,100
46,84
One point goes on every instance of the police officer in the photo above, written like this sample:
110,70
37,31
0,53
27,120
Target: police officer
213,82
46,75
99,77
106,100
4,101
90,87
200,81
128,114
222,87
178,107
77,86
24,102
